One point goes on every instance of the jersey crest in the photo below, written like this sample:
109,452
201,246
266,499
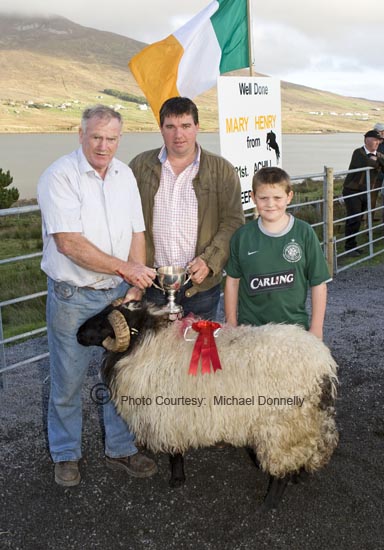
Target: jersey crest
292,252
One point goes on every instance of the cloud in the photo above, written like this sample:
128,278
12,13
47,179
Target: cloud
145,20
324,18
328,45
278,46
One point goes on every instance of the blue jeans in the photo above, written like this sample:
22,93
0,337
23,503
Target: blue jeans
204,304
67,308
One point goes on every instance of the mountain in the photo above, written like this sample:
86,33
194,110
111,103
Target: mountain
55,36
52,68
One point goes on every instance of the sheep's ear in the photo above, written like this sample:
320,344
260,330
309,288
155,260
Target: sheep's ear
133,305
122,333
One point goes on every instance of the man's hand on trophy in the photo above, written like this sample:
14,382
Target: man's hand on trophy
198,270
137,275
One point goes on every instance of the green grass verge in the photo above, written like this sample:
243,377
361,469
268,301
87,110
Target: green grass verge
21,235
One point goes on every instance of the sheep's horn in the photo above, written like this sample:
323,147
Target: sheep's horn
122,333
117,302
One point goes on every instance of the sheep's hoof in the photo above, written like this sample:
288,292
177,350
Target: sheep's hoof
176,462
265,508
276,488
252,455
299,477
176,482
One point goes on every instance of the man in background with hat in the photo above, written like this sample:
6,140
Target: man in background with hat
356,182
379,127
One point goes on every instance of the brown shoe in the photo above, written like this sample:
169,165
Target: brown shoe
137,465
67,473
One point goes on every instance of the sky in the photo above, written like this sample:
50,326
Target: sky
333,45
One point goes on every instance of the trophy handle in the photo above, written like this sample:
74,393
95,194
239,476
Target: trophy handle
185,282
187,279
157,286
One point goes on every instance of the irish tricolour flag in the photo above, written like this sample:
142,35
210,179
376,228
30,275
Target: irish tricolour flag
187,62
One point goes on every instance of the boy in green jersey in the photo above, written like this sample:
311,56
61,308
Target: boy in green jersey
273,260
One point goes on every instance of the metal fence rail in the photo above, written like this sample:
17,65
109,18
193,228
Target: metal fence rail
331,245
4,367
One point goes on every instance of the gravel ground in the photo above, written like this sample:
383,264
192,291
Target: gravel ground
340,507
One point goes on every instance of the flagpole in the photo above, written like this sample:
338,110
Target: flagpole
250,39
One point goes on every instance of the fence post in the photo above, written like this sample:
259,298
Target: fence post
328,217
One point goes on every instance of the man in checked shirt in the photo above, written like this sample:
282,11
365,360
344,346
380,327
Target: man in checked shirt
191,202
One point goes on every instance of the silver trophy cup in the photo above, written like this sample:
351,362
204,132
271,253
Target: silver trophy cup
171,279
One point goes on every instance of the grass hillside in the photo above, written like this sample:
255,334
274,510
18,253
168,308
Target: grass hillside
52,68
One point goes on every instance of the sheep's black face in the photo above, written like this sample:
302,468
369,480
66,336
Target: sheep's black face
140,316
94,331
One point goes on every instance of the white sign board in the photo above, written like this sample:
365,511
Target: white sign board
250,126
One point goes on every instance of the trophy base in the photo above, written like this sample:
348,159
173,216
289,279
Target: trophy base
174,313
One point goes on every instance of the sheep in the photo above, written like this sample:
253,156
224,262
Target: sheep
274,394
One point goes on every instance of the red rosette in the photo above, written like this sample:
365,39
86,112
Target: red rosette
205,347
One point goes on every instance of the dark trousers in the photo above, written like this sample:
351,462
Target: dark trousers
353,206
203,304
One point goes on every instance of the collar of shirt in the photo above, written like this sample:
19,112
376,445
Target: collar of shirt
163,155
369,152
281,233
85,167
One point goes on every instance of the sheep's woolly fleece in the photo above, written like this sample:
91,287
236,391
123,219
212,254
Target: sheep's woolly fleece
258,363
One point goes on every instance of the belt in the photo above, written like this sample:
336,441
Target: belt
98,289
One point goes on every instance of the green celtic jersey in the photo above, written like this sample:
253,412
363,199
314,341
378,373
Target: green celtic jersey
275,271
